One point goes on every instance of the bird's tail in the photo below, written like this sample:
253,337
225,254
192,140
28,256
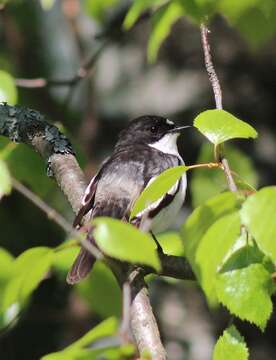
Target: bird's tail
85,261
81,267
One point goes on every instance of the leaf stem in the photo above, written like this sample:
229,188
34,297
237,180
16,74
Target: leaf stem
56,217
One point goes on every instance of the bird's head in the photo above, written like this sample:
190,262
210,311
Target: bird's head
155,131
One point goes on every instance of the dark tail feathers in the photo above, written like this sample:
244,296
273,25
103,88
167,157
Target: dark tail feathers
81,267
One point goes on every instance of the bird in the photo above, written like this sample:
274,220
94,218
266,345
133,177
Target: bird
145,148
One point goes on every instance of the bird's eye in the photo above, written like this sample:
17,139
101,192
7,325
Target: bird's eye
153,129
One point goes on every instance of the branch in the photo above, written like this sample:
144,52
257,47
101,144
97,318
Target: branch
83,71
143,322
30,127
57,218
218,99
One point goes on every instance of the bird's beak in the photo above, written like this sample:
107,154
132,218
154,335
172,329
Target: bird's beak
178,129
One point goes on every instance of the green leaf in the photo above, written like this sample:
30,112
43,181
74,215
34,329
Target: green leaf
27,272
217,243
231,346
171,243
247,255
257,215
123,241
246,293
206,183
101,291
253,18
5,179
8,92
204,233
98,9
162,23
47,4
72,352
64,258
158,188
219,126
137,8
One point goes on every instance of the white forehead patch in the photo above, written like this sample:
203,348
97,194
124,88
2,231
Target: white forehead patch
169,122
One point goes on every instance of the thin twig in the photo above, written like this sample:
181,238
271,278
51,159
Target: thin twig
56,217
210,67
218,100
230,180
82,72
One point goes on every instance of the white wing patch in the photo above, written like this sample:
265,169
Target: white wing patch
154,205
87,195
169,122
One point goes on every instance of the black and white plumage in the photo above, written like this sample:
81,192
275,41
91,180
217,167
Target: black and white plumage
145,148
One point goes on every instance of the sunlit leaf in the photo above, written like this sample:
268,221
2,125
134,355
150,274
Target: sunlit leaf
216,242
257,214
253,18
162,23
64,258
231,346
123,241
98,8
47,4
207,230
28,271
101,291
246,293
5,179
171,243
137,8
219,126
72,352
157,188
8,91
206,183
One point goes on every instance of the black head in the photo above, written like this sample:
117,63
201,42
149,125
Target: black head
147,129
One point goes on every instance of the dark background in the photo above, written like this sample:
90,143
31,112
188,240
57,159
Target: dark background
121,86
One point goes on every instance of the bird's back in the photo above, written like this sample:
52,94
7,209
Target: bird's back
125,175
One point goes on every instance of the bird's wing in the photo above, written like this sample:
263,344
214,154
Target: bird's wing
89,196
87,200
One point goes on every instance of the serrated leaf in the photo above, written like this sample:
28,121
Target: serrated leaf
206,183
5,179
219,126
158,188
163,20
8,91
231,346
124,242
246,293
203,217
136,10
101,291
104,329
27,272
257,215
196,228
